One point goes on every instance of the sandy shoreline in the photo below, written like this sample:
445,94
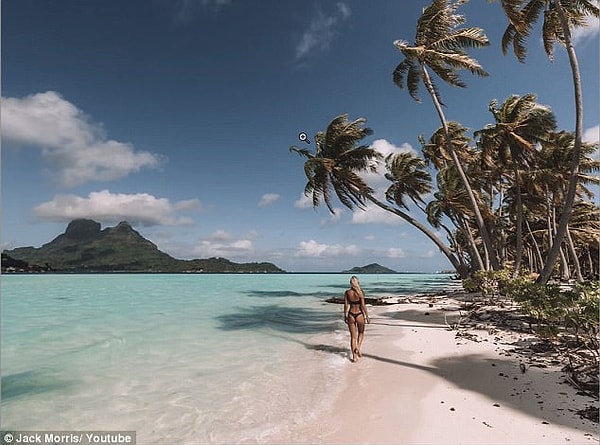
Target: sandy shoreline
418,382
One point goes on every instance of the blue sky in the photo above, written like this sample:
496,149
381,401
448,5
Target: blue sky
178,115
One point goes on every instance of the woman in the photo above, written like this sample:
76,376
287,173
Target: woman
355,316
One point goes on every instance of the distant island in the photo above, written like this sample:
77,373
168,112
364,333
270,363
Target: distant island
370,268
84,247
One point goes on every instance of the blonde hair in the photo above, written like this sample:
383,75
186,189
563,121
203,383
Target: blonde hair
355,284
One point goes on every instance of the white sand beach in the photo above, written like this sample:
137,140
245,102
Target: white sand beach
420,383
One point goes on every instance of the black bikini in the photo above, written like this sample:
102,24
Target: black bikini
355,316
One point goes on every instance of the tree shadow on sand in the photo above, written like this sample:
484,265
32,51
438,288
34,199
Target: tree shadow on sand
502,381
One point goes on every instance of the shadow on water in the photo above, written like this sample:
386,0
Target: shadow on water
280,318
29,383
286,293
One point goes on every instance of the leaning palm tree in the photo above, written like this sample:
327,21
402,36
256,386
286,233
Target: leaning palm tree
409,178
440,47
520,124
334,168
559,18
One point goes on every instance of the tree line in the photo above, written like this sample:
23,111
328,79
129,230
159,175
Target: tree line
513,196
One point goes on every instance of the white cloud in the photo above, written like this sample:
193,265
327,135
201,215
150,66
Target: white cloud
321,31
592,134
313,249
107,207
74,147
395,252
377,180
268,199
223,244
334,217
429,254
304,202
386,148
589,32
375,215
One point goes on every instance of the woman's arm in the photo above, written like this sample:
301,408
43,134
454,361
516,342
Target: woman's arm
346,307
363,305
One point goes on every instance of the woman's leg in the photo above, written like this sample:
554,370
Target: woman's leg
361,334
352,328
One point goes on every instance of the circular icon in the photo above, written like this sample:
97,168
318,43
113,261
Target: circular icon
8,438
303,137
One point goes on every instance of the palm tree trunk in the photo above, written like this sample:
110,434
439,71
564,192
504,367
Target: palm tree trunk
565,272
474,250
519,246
574,257
456,263
570,198
538,254
487,243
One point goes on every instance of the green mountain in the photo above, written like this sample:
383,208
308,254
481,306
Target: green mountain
84,247
370,268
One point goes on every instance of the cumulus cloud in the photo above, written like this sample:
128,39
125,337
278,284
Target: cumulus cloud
375,215
322,30
76,149
107,207
591,31
268,199
377,180
304,202
223,244
592,134
395,252
312,249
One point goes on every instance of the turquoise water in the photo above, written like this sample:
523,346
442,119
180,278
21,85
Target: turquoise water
179,358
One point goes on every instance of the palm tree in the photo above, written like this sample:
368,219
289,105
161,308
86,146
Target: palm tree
435,152
560,16
440,46
409,178
334,170
520,124
337,160
452,202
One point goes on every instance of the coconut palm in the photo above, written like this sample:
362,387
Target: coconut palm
520,124
440,46
334,170
409,178
559,18
452,202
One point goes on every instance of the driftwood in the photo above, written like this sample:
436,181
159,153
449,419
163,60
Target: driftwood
368,300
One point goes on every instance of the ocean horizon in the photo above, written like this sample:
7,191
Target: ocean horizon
181,358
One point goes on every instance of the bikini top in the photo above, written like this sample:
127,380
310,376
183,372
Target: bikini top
354,302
